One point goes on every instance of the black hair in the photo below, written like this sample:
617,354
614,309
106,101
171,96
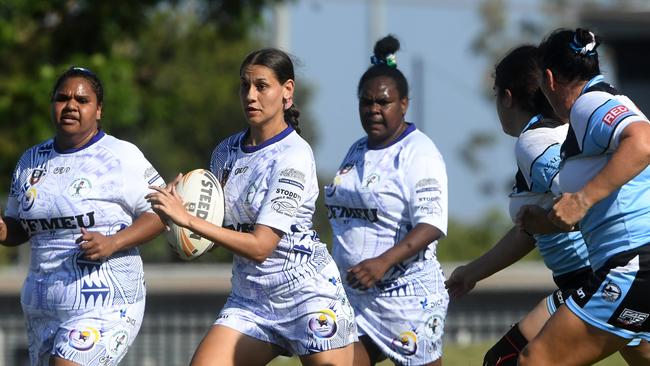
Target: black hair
384,64
519,72
280,62
75,71
571,55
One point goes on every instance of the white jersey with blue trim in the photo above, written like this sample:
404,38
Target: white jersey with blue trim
100,187
620,221
378,196
538,160
272,184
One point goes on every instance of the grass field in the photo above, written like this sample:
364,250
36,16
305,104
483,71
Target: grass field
471,355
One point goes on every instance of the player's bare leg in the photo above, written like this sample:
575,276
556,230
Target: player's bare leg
567,340
224,346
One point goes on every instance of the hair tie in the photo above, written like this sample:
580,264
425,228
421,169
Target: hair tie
390,60
587,50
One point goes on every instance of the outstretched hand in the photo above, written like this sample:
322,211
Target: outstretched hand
459,283
95,245
3,228
167,203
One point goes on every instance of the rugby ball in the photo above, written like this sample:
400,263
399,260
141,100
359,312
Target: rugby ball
202,197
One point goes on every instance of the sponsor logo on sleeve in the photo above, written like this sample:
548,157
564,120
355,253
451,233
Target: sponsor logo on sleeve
611,116
294,174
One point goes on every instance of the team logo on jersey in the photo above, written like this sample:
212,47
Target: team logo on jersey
118,343
28,199
37,175
405,343
250,193
371,180
611,292
83,339
346,168
285,206
323,323
80,187
632,317
433,326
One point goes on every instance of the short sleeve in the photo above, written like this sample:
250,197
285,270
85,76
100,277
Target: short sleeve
286,191
598,118
426,187
139,174
13,200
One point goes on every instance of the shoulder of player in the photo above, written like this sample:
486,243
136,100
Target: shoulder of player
587,103
120,148
417,145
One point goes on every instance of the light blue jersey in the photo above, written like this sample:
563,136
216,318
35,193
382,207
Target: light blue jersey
538,161
620,221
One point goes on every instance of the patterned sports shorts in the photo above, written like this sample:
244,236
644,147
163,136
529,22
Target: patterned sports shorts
89,337
313,317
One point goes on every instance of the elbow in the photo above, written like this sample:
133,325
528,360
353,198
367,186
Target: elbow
261,255
259,258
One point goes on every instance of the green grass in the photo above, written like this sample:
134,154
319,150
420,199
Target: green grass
454,355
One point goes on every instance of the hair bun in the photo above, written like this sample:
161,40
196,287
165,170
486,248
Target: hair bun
384,51
584,42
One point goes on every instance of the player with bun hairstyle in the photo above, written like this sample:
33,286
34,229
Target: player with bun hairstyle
387,207
79,200
287,296
525,113
606,180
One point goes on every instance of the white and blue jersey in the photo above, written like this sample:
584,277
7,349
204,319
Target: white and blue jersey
376,198
538,160
100,187
304,308
620,221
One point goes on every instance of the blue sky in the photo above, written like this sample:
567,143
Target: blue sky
331,42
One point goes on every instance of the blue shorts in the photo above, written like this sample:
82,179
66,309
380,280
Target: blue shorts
89,337
617,300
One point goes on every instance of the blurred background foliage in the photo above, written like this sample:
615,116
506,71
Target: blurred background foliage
171,73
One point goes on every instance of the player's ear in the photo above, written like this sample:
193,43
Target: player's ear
507,98
404,105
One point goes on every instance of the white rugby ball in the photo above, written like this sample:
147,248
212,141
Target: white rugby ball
202,195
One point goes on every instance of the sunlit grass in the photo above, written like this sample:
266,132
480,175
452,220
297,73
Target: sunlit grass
455,355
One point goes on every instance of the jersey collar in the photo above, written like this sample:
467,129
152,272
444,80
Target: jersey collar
532,121
595,80
410,127
251,149
92,141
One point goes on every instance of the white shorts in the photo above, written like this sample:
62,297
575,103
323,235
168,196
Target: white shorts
98,336
314,317
407,329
